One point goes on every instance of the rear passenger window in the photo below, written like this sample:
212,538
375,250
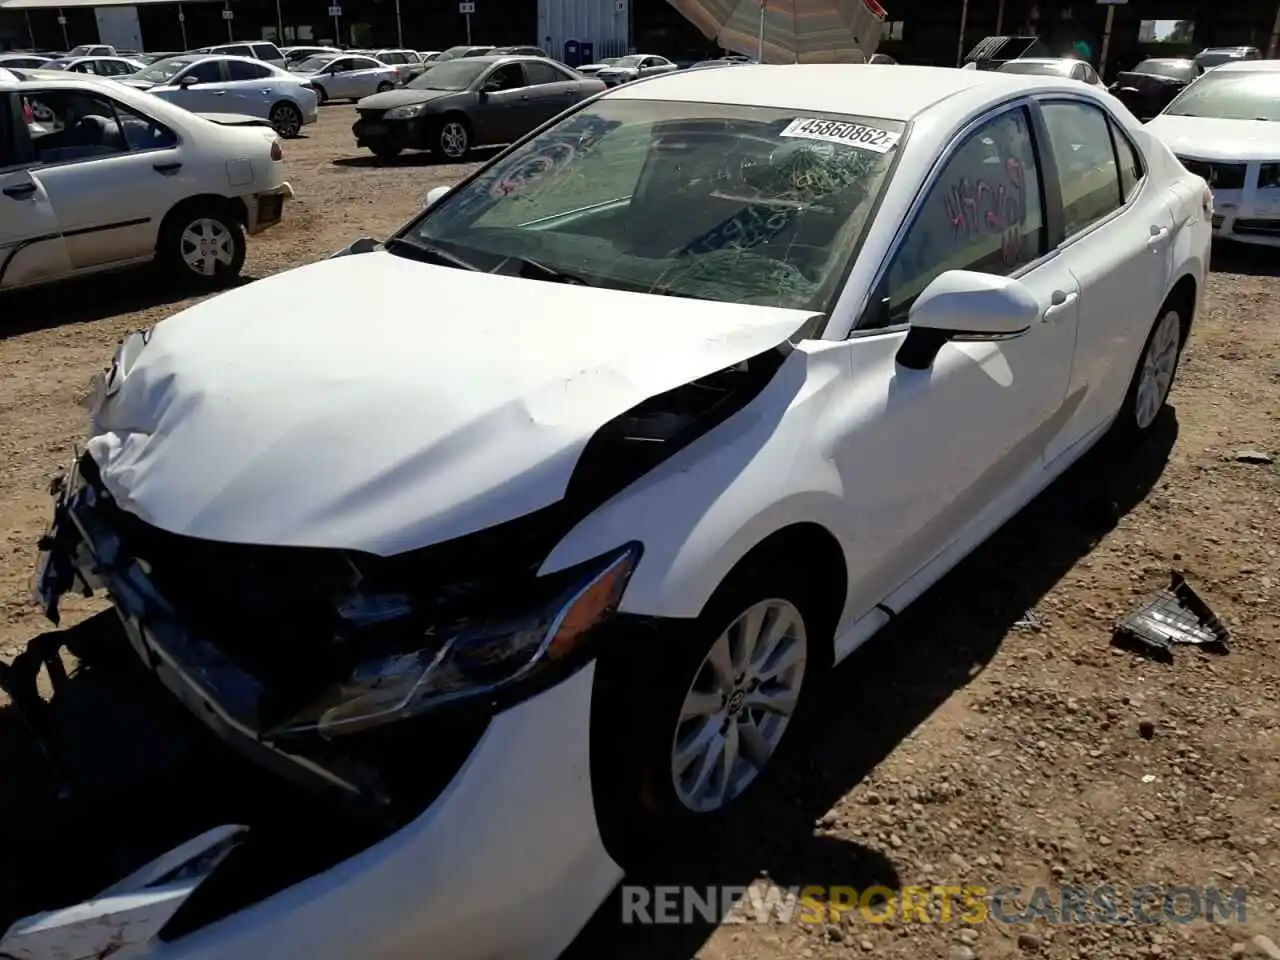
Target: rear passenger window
983,213
1131,169
1086,159
542,73
239,70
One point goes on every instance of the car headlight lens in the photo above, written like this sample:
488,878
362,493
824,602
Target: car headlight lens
407,112
475,661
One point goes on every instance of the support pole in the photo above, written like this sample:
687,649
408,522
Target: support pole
764,11
279,24
337,34
62,19
1000,19
964,25
399,26
1106,42
182,25
1275,37
230,34
31,33
468,16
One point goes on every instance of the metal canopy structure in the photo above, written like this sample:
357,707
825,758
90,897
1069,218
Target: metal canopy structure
77,4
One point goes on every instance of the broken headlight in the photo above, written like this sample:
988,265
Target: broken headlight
486,658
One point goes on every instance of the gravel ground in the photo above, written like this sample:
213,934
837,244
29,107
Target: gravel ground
992,736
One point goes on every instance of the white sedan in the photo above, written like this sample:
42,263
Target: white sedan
1223,127
103,177
749,359
240,85
1053,67
344,76
99,66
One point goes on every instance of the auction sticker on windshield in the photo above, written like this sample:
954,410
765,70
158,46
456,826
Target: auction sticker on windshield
837,131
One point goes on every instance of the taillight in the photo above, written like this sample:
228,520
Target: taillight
277,151
28,115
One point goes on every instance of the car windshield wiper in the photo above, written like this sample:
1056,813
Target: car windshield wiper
428,252
535,270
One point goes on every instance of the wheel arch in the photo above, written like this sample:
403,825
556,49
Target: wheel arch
1184,296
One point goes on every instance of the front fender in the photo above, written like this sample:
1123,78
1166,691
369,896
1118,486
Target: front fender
702,511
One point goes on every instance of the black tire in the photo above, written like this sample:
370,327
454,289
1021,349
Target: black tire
452,139
384,87
1162,351
183,264
286,119
321,95
641,693
384,152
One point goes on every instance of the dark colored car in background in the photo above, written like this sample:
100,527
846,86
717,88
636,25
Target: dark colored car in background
468,102
1151,85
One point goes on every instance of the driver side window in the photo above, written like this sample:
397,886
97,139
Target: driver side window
984,212
208,72
509,76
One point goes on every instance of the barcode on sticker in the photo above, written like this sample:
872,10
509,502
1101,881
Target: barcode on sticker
837,131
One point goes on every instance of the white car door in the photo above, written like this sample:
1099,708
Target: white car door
111,174
250,88
947,442
31,243
1119,232
197,88
340,80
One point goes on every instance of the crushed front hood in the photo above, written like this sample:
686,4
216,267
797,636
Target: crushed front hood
381,404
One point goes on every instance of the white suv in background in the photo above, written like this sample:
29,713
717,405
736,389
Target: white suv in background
100,176
257,50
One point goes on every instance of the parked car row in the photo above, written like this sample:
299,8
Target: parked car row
572,610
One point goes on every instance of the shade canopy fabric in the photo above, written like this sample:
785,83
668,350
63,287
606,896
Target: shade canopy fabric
790,31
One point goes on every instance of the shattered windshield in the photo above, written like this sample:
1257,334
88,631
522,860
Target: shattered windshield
711,201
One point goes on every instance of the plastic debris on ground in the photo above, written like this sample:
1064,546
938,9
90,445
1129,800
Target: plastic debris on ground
1174,616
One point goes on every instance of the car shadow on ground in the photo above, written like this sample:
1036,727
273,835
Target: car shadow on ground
881,694
417,159
1248,259
87,299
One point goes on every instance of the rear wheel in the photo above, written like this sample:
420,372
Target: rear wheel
286,119
321,95
1153,379
201,244
384,87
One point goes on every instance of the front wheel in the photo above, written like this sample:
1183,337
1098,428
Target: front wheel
286,120
708,710
202,245
453,139
1153,378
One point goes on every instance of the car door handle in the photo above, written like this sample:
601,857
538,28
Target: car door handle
20,191
1061,303
1158,236
166,168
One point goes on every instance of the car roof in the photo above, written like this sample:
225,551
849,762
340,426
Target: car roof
902,94
1166,60
1043,60
503,58
1248,66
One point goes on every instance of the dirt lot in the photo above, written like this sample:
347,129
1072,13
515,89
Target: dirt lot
971,744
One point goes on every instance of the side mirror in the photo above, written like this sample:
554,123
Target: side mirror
434,196
188,81
491,86
963,305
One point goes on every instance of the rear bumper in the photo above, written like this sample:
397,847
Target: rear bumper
266,209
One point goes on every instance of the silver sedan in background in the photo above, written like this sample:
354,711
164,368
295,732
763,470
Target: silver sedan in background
341,76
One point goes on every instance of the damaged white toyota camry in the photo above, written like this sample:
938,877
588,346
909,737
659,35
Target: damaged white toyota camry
453,572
